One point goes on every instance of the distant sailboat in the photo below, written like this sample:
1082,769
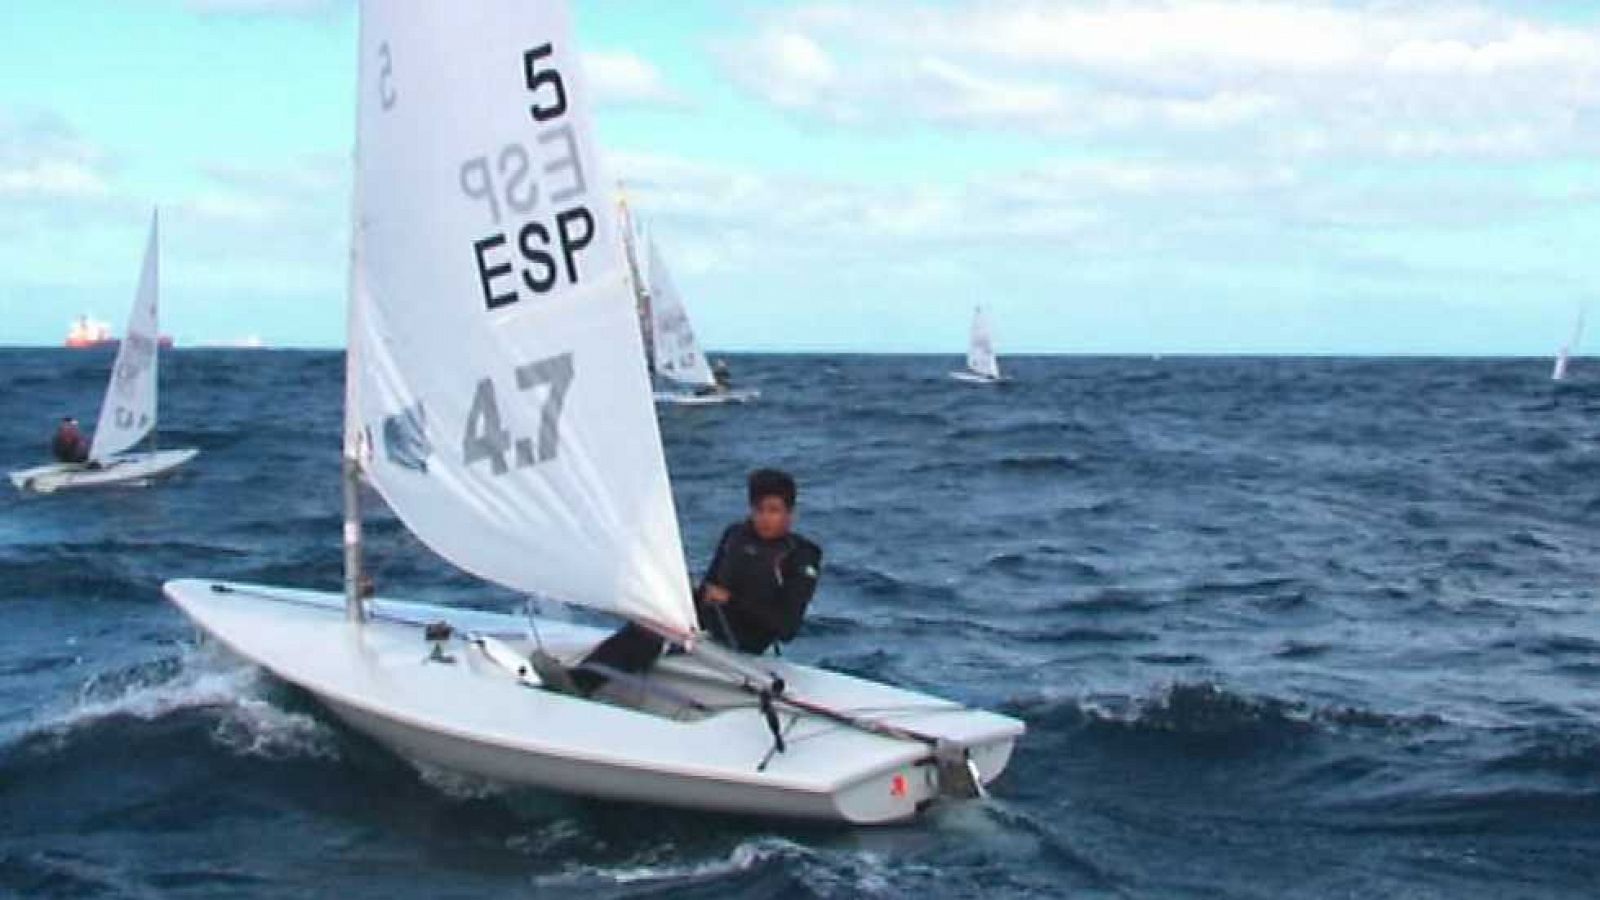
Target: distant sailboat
502,410
672,353
128,413
982,365
1564,355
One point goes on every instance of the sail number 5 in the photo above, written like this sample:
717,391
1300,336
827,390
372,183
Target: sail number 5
534,195
487,438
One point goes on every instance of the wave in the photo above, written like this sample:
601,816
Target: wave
245,719
778,866
1513,810
877,583
1043,562
1010,463
1108,600
1569,753
766,866
53,579
1265,587
1039,462
1021,431
1069,636
1203,709
742,859
1295,649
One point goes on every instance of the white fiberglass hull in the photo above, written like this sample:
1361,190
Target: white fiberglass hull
975,378
719,398
122,469
474,715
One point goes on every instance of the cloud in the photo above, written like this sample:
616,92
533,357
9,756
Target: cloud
743,218
1265,77
43,158
53,179
619,77
287,225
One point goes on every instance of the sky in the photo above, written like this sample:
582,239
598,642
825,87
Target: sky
1104,176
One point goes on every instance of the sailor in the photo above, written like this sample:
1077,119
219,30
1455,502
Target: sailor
721,380
69,445
754,594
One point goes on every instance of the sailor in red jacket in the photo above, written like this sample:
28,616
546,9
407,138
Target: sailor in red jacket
69,445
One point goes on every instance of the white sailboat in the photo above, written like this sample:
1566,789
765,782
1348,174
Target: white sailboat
1564,355
673,354
128,412
524,449
982,366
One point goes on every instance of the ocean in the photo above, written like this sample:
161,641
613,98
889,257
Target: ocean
1278,627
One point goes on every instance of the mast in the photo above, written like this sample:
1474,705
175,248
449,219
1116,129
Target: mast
350,457
351,476
155,418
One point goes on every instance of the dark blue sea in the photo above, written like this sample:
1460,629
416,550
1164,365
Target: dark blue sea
1279,628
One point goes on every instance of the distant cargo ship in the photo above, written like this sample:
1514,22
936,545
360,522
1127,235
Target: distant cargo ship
87,333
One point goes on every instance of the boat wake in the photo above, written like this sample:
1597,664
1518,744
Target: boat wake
768,866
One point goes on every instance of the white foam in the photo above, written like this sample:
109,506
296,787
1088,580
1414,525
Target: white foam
458,785
248,722
843,875
743,857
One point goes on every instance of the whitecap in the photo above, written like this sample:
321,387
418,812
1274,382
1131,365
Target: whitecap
247,721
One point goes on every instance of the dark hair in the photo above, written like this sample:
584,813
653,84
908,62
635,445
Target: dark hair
772,483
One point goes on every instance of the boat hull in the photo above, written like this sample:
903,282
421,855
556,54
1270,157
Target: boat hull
975,378
121,470
722,398
381,680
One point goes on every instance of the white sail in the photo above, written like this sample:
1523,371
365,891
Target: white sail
980,352
677,355
1564,356
631,233
502,399
129,410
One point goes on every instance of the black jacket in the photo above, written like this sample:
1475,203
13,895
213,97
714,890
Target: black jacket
771,583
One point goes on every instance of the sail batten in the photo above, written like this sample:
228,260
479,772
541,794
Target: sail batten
128,412
501,404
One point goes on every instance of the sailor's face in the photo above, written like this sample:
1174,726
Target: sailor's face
771,518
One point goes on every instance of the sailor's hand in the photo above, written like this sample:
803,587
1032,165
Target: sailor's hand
716,593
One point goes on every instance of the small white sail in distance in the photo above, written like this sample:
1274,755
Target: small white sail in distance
980,351
677,355
128,412
499,378
1564,355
